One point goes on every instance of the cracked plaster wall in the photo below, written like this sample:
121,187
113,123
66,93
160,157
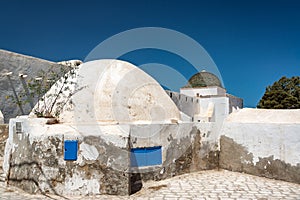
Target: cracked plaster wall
185,148
34,158
35,161
263,149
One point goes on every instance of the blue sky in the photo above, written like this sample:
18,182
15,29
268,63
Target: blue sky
253,43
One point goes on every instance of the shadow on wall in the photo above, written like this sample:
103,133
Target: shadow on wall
197,155
31,184
135,179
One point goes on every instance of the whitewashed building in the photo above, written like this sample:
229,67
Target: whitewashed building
120,128
215,103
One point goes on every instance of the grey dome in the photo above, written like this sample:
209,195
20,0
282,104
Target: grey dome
203,79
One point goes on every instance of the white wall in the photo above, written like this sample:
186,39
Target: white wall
1,118
186,104
205,91
266,133
221,108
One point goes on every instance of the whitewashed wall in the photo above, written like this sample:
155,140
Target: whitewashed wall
204,91
262,142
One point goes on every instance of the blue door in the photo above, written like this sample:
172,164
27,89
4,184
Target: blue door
70,149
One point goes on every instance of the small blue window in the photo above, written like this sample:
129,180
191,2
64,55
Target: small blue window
71,148
146,156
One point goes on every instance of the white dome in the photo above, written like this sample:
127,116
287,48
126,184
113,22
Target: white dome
114,91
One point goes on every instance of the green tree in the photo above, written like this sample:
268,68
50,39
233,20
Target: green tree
283,94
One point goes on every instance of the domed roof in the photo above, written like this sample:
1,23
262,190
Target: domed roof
203,79
111,91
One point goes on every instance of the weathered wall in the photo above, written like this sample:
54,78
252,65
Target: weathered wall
34,160
17,63
262,146
186,148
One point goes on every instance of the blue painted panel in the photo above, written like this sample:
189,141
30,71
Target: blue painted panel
154,156
145,156
138,157
71,148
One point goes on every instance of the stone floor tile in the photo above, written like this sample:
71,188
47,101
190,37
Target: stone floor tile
202,185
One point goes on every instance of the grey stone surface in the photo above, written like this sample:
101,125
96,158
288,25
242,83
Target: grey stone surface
18,63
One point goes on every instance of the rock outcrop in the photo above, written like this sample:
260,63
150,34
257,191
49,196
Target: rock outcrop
18,63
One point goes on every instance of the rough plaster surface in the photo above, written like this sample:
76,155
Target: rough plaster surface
184,149
18,63
236,157
34,161
255,142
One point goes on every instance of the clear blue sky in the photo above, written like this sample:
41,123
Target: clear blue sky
253,43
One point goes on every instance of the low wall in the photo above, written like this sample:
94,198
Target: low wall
34,158
186,148
260,145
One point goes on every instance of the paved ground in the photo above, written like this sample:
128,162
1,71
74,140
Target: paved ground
201,185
